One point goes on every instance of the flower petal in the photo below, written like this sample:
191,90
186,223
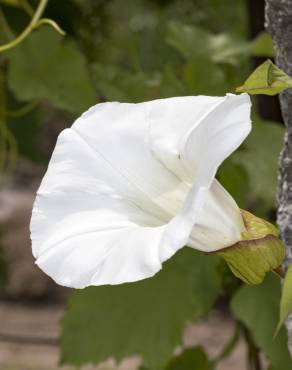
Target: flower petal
194,153
96,204
218,134
102,247
185,131
217,222
115,203
171,120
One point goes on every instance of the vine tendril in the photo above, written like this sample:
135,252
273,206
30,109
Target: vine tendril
35,22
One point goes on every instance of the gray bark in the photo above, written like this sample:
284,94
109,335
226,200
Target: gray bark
279,25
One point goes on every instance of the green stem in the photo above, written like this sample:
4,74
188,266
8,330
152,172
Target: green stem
51,23
280,272
33,23
8,151
254,362
27,7
17,113
230,345
8,144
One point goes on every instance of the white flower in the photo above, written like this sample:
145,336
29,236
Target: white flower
130,184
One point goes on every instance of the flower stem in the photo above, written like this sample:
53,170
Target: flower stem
231,344
254,361
279,271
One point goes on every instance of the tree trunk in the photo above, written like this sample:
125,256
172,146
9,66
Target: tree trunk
279,25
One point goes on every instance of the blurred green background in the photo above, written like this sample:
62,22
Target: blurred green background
137,50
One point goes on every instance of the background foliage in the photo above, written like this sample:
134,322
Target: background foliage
135,50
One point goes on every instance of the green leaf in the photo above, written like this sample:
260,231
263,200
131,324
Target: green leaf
262,45
171,85
26,132
193,41
15,3
146,317
191,359
286,298
267,79
259,157
258,308
235,179
190,41
116,84
46,67
194,76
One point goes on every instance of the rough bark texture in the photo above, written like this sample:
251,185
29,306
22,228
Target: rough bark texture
279,25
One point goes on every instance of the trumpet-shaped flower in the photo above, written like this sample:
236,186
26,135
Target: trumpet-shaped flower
128,185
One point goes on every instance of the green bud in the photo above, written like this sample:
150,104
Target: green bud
259,251
267,79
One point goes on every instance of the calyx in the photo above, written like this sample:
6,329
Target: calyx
260,250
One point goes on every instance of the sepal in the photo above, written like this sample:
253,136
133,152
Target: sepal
259,251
